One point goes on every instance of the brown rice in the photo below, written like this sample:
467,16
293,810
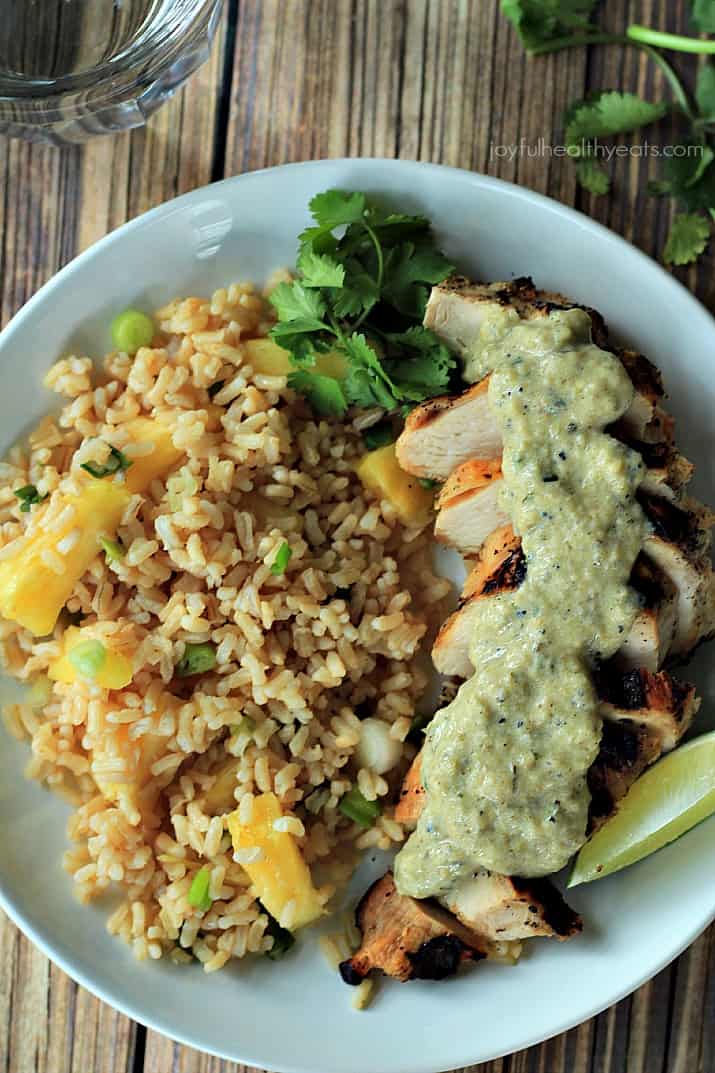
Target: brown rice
300,656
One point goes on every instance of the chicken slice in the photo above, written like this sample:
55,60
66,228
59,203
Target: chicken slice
408,939
442,433
654,710
627,749
651,636
468,504
680,547
468,507
457,309
659,702
501,568
510,908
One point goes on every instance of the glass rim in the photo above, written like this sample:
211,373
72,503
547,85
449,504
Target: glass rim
112,79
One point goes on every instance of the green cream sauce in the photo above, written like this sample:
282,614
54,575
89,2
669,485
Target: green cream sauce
505,764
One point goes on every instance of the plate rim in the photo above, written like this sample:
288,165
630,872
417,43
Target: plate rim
36,933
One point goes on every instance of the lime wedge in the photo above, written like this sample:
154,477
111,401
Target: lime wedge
664,803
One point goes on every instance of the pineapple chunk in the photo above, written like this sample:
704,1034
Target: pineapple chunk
31,593
140,788
164,457
382,474
116,672
282,876
269,359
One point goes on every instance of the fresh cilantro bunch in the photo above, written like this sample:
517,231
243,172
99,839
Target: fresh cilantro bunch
551,25
364,276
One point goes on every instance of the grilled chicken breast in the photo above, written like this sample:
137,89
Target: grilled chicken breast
442,433
509,908
501,567
408,939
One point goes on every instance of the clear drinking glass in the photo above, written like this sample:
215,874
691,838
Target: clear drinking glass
70,69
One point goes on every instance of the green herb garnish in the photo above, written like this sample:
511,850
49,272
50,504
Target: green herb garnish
116,462
378,435
197,659
29,497
362,273
428,482
88,658
198,895
113,549
283,939
358,809
279,564
689,178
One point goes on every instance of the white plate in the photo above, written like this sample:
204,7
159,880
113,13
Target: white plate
296,1016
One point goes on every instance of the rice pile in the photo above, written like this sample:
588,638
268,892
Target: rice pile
152,769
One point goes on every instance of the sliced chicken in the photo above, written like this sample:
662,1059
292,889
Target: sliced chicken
412,795
626,751
662,704
408,939
510,908
468,508
651,637
652,710
468,504
668,471
501,567
457,308
442,433
680,547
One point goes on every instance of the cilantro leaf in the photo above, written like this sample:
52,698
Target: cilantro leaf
324,394
294,302
703,15
610,113
688,180
705,91
688,238
592,176
331,209
319,270
407,268
361,294
540,21
367,384
424,365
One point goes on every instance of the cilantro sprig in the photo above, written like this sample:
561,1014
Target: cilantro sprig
364,275
550,25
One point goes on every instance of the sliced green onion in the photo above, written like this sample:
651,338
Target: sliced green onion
29,496
245,725
132,330
117,461
88,657
197,659
428,482
358,809
279,564
378,435
112,549
283,940
215,388
199,891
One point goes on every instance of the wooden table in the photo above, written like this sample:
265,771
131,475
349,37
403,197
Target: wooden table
437,80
